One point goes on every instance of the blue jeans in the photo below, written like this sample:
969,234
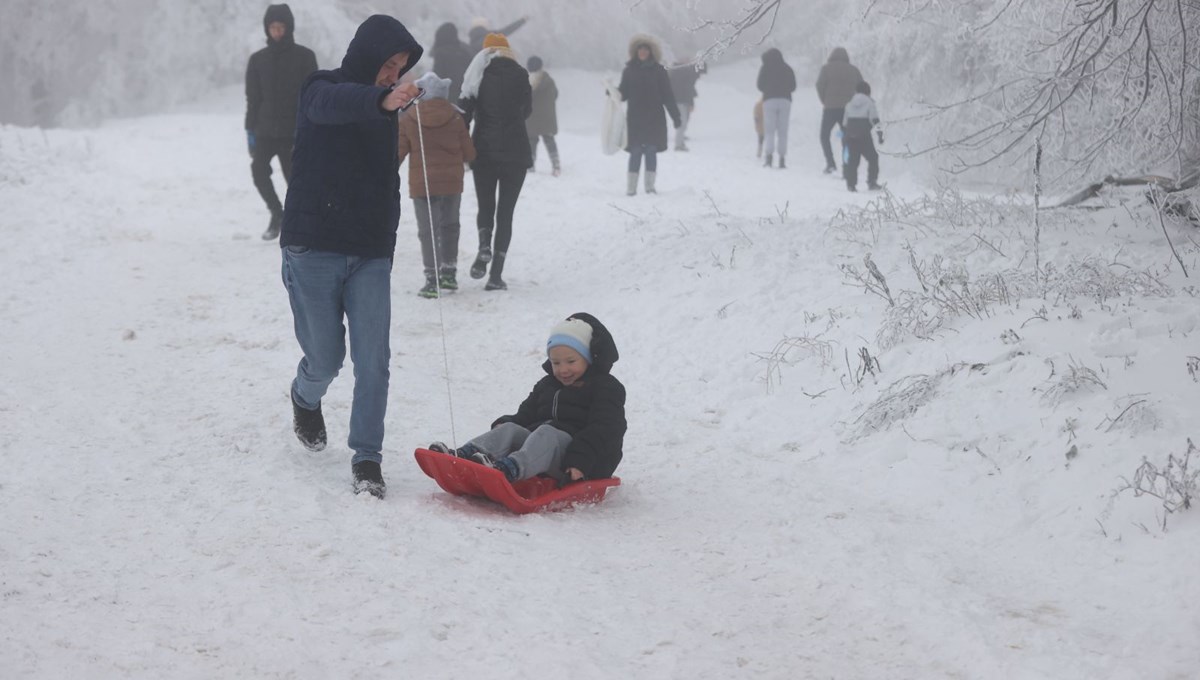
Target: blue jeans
324,288
635,158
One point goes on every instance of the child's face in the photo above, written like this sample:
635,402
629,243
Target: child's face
568,365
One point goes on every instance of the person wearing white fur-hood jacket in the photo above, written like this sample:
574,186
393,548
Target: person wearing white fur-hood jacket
647,89
497,98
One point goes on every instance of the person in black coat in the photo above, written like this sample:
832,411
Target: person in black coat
273,79
339,235
450,57
572,425
683,85
777,82
497,98
647,89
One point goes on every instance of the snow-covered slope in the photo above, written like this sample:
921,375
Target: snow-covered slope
785,513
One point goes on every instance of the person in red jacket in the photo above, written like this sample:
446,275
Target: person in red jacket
572,425
439,148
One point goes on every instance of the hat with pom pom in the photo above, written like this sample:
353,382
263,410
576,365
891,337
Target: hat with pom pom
495,40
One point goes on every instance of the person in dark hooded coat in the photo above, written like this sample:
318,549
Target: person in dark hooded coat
339,235
777,82
572,425
450,57
646,87
835,87
274,75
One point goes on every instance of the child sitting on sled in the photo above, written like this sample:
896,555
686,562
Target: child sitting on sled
572,425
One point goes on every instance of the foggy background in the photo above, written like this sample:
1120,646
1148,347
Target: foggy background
960,83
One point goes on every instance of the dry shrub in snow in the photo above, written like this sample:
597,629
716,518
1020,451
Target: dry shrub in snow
1076,378
900,400
1176,485
1136,416
791,350
940,213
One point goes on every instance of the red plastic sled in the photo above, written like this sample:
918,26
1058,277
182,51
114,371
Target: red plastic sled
468,478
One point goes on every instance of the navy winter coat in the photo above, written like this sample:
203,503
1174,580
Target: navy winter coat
344,193
593,413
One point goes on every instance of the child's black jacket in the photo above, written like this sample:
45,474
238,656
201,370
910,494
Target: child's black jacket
593,413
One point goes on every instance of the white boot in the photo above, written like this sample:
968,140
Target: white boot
631,184
650,182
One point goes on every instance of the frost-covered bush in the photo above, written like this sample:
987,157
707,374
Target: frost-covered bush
1105,85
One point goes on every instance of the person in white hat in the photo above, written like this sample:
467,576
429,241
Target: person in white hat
572,425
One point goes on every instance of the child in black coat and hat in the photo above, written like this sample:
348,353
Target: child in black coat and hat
572,425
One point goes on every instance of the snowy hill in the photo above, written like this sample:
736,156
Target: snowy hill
817,482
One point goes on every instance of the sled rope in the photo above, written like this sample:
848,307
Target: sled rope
437,278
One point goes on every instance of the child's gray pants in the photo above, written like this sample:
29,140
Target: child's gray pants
536,452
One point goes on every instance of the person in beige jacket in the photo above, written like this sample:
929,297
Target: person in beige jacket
447,147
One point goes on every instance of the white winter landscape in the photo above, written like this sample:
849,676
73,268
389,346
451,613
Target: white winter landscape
960,466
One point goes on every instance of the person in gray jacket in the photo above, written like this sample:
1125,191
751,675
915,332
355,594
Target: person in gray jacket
835,87
861,115
543,122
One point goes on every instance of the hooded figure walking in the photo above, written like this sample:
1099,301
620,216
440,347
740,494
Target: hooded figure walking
543,122
339,236
835,87
450,57
647,89
273,79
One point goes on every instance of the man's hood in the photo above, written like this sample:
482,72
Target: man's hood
447,34
283,14
378,39
772,56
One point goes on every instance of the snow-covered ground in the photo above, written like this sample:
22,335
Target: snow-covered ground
785,513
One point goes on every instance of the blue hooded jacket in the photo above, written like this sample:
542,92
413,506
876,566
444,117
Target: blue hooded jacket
344,192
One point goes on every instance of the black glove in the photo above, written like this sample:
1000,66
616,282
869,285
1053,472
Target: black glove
879,136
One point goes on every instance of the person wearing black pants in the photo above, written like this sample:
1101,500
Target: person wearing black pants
262,150
497,98
861,118
506,180
273,79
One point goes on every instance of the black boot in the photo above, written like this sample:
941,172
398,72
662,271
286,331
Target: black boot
274,225
782,165
479,266
309,426
494,280
368,477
